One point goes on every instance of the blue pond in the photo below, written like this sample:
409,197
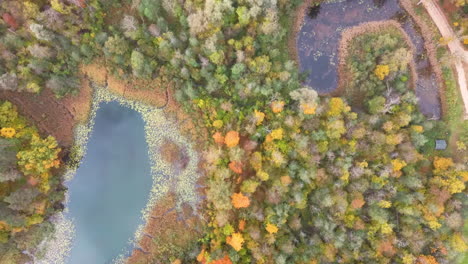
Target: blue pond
111,186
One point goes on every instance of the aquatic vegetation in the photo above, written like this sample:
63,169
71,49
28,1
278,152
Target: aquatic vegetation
158,128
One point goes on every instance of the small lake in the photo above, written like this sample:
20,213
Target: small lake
111,186
319,37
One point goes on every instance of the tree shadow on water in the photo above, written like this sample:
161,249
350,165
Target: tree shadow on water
313,11
379,3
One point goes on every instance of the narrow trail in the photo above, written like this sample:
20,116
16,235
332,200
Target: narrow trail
455,47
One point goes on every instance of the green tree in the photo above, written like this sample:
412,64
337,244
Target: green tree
140,66
22,199
40,156
260,64
243,15
150,9
376,105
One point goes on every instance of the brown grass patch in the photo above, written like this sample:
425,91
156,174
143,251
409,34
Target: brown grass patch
174,155
80,105
95,72
167,233
158,92
152,93
52,116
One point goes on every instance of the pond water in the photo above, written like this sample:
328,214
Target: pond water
111,186
320,35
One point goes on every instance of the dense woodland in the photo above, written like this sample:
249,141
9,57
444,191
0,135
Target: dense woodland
291,177
30,187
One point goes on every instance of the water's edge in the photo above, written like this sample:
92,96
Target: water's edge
321,35
157,127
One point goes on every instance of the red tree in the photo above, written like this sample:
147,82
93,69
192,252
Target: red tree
10,20
81,3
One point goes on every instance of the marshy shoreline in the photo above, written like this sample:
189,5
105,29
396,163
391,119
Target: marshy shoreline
75,114
433,85
157,128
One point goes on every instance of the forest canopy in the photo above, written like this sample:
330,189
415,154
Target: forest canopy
30,188
291,176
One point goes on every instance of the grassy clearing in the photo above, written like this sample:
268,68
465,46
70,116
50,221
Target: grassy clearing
453,118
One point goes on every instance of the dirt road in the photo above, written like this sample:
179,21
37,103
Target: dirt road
455,47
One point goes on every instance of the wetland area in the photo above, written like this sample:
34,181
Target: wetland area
319,38
111,187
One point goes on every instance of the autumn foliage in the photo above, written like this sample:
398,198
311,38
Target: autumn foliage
236,167
224,260
10,20
218,138
311,179
441,163
426,260
277,106
232,139
27,161
240,201
7,132
381,71
235,241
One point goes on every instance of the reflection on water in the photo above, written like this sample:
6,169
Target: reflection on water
320,35
111,187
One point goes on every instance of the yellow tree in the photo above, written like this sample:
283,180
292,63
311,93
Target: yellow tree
382,71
